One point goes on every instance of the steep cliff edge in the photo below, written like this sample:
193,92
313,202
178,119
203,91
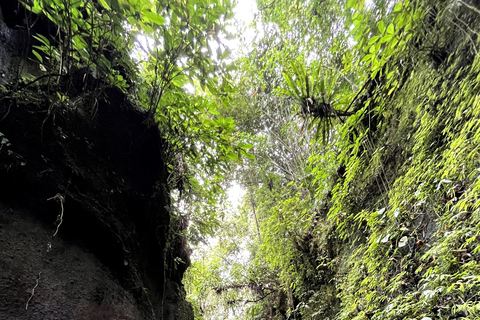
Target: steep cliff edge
85,227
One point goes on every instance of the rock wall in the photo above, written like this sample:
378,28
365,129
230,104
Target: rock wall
85,226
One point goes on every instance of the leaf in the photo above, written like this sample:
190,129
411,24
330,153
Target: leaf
42,39
398,7
247,155
39,57
153,17
381,27
226,53
391,29
322,86
232,156
36,7
307,86
386,38
373,40
168,41
80,43
291,85
180,80
368,57
302,78
105,4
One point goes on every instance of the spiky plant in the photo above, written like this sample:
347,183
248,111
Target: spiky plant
314,94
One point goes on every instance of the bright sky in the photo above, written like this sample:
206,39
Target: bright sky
235,194
245,11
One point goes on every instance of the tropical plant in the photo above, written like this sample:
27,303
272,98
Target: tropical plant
316,93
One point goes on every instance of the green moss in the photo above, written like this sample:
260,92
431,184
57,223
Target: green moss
420,252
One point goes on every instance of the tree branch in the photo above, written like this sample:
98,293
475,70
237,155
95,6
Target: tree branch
250,301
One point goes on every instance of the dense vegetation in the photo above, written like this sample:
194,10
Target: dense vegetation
361,199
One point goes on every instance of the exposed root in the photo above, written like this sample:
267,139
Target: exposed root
33,290
60,198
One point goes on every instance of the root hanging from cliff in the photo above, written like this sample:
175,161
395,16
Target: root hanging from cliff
33,290
61,199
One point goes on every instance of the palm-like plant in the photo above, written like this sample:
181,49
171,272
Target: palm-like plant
314,93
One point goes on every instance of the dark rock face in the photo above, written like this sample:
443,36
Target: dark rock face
11,47
73,283
95,171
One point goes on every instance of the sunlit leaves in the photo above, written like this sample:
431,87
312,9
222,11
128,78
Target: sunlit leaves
105,4
149,16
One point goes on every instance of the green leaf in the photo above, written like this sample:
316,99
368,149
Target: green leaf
39,57
386,38
105,4
291,85
351,3
225,54
248,155
36,7
168,41
79,42
180,80
398,7
368,57
232,156
42,39
373,40
391,29
381,27
322,86
153,17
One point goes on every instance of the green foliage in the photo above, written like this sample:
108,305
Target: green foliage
157,53
382,222
218,282
407,262
85,38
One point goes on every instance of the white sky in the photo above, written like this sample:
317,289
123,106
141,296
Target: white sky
235,194
245,11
